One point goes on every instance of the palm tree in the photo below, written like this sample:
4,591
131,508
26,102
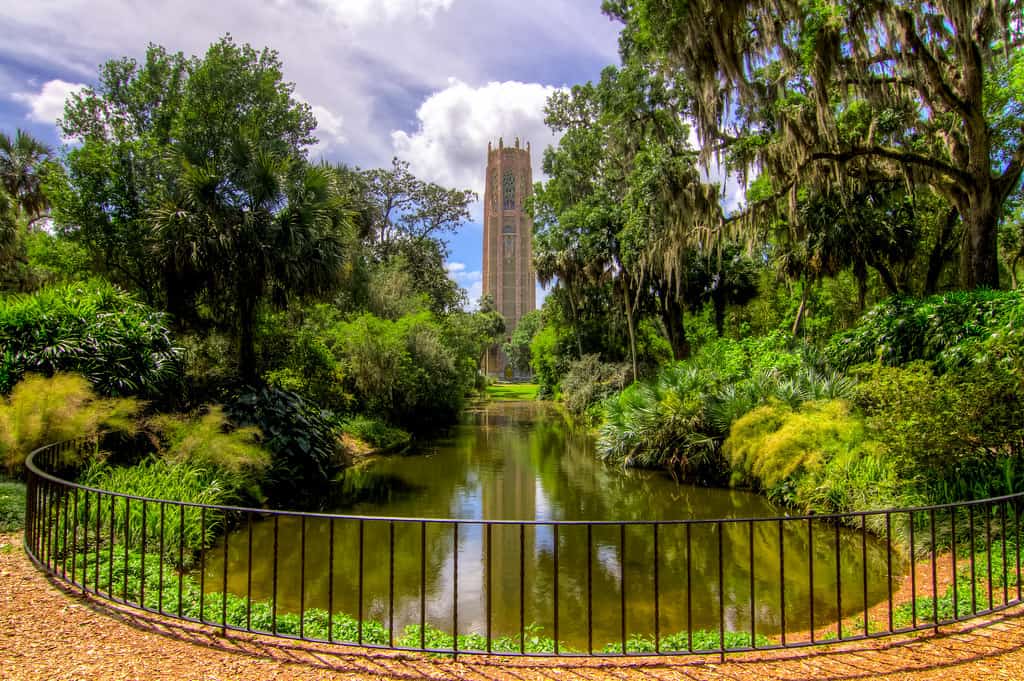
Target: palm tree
21,172
269,226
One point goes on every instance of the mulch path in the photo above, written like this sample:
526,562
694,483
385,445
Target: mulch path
49,632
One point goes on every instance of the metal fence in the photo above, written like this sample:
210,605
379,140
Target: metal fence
507,587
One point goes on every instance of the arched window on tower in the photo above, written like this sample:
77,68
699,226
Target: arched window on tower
508,185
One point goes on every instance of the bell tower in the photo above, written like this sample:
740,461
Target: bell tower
509,277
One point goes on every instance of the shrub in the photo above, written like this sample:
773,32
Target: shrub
959,435
589,381
375,433
42,410
662,422
94,328
301,440
402,369
817,457
171,481
209,442
680,417
946,329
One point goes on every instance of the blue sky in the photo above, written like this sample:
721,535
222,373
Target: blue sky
430,81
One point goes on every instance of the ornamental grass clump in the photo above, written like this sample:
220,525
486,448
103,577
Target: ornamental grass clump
62,407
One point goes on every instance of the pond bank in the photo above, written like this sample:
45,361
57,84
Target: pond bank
47,632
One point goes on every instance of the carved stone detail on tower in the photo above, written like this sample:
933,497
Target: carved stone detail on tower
509,277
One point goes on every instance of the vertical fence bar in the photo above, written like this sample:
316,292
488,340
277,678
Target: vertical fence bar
721,590
160,578
96,542
689,588
85,539
952,553
44,519
888,563
488,581
202,563
554,557
590,589
988,548
657,609
522,588
622,584
839,588
74,537
391,583
273,588
359,596
913,573
935,571
810,573
64,541
110,552
330,580
181,554
1002,534
1018,544
423,584
302,578
782,583
974,576
248,573
127,540
224,583
753,593
144,527
455,589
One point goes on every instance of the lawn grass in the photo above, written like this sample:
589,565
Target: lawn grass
12,506
512,391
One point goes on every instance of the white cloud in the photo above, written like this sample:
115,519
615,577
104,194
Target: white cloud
368,12
330,128
456,123
471,280
47,105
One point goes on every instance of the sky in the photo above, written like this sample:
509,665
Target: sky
429,81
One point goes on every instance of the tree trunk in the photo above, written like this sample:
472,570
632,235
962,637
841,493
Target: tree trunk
718,303
800,310
980,222
630,309
940,252
672,317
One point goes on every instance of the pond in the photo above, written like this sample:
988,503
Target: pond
522,461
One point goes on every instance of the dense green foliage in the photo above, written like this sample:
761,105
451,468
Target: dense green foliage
680,417
172,481
947,329
899,431
303,443
94,328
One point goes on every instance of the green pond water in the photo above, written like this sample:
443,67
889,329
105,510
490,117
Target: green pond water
517,461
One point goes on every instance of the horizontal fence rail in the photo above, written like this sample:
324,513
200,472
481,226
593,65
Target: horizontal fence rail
560,588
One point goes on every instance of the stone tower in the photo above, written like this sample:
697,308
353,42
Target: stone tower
509,277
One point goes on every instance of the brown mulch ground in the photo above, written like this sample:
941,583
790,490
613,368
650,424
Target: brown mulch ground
47,632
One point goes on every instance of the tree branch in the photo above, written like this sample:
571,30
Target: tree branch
908,157
931,68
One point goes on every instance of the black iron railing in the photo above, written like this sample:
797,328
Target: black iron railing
509,587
